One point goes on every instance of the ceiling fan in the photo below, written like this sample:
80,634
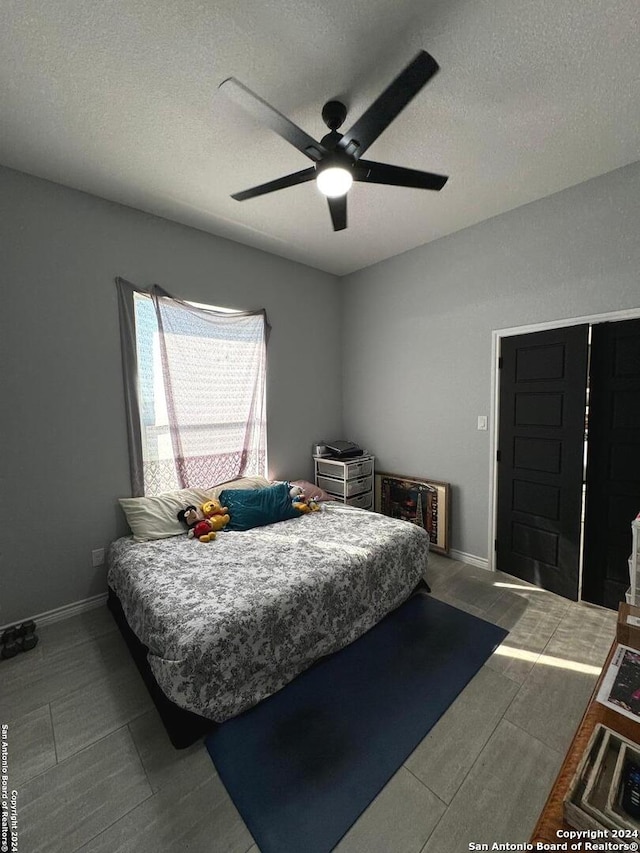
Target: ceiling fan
337,157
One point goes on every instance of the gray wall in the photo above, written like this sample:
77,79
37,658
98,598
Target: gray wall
414,366
62,427
417,334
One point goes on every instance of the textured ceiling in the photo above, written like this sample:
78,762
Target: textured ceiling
120,99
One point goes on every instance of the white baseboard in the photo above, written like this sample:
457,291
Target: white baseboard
480,562
63,612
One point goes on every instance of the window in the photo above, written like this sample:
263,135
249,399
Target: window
196,392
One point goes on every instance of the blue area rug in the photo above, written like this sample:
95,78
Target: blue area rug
304,764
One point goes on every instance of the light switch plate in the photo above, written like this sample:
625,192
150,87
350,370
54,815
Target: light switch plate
482,421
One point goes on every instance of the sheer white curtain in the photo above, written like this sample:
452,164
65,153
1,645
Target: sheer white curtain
195,392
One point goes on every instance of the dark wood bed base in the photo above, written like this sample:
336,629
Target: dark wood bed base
183,727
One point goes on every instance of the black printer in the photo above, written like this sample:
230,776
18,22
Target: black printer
343,449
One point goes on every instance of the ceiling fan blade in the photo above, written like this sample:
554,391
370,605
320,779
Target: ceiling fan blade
279,184
388,105
338,211
398,176
267,115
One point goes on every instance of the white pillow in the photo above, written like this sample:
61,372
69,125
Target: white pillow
155,517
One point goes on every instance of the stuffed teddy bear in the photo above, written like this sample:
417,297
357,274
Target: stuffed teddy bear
305,504
295,492
199,527
217,515
300,501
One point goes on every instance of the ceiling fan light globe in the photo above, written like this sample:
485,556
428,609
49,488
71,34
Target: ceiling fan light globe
334,181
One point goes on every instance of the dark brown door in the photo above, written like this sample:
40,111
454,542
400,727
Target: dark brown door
543,383
613,463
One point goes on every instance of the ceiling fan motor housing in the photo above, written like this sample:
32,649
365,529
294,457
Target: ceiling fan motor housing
336,159
333,114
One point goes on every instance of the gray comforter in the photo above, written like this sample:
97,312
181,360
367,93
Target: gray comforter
230,622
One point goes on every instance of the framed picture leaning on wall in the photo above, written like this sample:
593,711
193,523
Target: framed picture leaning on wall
422,502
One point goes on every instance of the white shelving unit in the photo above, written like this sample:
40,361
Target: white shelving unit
634,560
348,480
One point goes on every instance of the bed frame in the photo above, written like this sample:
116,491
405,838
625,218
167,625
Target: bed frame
183,727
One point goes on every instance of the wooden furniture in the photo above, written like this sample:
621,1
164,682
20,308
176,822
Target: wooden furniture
552,816
348,480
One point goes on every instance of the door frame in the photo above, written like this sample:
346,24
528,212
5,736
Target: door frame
496,340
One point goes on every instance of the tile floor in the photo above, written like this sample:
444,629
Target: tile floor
95,771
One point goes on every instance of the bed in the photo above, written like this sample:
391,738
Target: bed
226,624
